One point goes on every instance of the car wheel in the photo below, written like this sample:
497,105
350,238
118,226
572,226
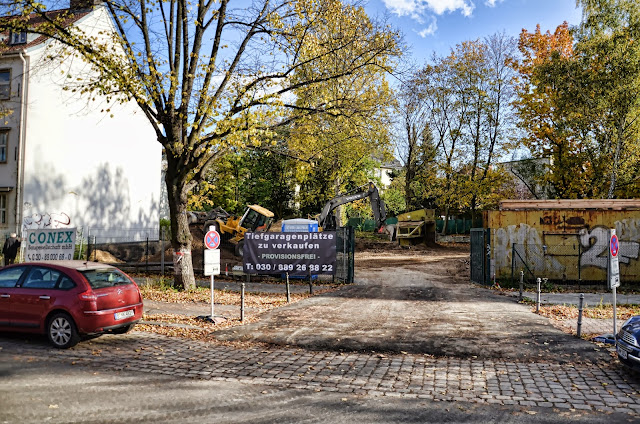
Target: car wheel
123,330
62,331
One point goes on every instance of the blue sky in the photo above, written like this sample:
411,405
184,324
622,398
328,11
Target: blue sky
438,25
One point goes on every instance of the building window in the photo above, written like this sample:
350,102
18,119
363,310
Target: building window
4,141
3,208
19,37
5,84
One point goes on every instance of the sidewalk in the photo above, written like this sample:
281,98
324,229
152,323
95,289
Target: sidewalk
589,325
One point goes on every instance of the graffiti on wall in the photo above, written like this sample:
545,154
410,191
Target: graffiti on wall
522,235
595,245
591,246
46,220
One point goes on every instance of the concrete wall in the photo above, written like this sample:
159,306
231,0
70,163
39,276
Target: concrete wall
84,168
565,244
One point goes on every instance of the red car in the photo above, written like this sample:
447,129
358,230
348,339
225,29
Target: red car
68,299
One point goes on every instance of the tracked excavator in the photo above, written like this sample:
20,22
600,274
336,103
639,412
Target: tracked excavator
327,219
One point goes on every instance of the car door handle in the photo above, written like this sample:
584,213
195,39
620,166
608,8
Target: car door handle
45,297
5,295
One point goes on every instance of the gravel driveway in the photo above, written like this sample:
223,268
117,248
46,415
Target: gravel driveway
418,301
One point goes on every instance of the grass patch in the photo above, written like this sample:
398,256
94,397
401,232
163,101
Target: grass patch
601,311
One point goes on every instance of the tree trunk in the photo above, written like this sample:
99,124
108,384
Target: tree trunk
446,221
338,210
177,192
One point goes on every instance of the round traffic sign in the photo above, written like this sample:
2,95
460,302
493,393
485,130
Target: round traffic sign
212,239
615,247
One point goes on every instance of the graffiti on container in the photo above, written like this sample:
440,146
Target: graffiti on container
527,239
46,220
595,243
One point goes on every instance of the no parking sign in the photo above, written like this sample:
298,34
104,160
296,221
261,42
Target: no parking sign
212,254
614,263
212,239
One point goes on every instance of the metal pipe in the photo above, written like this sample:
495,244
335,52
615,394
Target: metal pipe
288,290
242,302
22,134
147,256
521,285
580,307
538,280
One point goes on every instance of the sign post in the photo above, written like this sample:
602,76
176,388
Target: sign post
212,261
613,274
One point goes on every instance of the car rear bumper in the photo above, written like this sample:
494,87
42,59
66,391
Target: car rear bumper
93,322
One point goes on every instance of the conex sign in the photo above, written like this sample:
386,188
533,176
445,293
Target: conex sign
50,245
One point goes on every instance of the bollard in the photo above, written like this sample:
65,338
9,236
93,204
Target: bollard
310,285
288,290
580,305
538,296
242,302
521,285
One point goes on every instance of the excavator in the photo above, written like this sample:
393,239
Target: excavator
257,219
232,228
327,219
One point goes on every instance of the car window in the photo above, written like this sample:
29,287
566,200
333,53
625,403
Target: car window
9,277
101,278
66,283
41,278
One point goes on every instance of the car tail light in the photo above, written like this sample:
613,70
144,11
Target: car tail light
88,296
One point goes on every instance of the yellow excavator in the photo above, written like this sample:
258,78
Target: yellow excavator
232,228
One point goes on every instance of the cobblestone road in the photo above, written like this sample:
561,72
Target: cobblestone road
604,387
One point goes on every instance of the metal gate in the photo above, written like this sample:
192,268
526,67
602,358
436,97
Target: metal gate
479,258
345,254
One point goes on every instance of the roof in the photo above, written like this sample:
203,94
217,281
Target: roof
262,211
78,265
66,15
589,204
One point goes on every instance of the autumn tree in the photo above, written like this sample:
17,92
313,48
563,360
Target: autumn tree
464,106
247,176
608,69
336,150
553,126
413,142
578,101
209,76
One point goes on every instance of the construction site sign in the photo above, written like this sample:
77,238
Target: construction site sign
50,244
290,253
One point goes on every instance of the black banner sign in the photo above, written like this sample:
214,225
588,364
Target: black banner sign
292,253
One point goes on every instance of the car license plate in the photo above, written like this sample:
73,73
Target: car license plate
122,315
621,352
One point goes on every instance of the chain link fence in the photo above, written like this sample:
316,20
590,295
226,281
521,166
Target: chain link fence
141,249
561,265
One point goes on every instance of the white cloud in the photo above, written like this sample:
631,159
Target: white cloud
416,9
492,3
430,30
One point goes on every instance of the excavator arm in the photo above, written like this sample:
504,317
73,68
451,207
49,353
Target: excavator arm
327,221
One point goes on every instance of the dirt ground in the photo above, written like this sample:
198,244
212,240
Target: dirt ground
416,300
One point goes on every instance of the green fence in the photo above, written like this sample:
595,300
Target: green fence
368,224
458,226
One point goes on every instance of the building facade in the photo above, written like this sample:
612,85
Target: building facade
70,160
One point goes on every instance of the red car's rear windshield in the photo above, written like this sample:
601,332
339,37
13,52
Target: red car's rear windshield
101,278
